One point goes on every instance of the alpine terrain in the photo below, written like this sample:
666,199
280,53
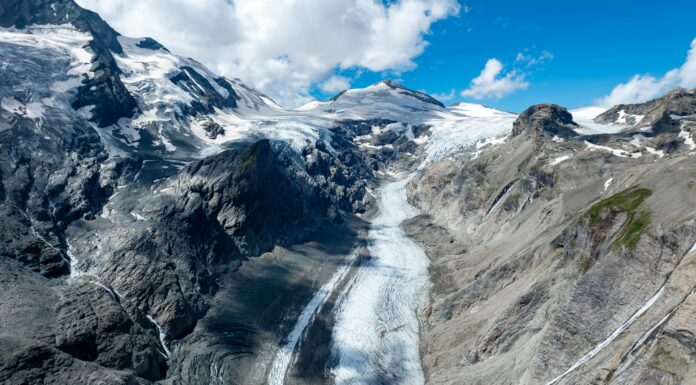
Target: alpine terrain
162,224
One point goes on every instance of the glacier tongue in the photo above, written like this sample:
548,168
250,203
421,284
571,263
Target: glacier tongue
376,334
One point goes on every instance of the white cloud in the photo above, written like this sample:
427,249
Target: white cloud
493,84
335,83
283,47
642,88
529,60
445,97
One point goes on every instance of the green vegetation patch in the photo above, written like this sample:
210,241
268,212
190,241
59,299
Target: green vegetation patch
627,201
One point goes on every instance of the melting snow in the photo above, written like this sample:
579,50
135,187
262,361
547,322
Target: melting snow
686,135
559,160
613,151
607,184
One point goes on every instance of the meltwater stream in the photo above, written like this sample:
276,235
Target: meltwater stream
375,336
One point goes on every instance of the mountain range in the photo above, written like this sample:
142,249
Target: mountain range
164,224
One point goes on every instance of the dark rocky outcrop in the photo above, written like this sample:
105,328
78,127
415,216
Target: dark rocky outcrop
545,120
212,129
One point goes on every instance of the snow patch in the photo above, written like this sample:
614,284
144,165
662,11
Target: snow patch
613,151
559,160
658,153
607,184
686,135
32,110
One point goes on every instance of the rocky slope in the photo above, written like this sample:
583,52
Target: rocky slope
163,224
562,258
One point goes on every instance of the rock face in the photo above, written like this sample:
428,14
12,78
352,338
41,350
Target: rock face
657,113
545,120
104,91
109,251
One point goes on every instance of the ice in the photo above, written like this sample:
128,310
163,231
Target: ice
463,126
584,117
64,38
281,362
376,331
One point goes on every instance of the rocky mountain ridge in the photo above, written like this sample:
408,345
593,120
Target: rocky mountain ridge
163,224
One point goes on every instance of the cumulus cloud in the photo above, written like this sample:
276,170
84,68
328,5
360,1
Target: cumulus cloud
283,47
641,88
494,83
335,83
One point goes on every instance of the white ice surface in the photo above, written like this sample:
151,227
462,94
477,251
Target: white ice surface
464,125
584,117
376,331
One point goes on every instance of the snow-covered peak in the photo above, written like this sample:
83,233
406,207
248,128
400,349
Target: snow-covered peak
383,100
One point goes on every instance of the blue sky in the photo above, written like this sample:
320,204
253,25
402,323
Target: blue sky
595,46
573,52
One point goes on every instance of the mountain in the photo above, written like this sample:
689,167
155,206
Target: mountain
165,224
562,258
